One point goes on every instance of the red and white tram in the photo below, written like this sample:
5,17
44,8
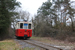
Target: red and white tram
23,29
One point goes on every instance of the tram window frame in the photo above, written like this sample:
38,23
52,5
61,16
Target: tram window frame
29,26
21,25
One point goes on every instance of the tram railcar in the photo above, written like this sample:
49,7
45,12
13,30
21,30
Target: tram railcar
23,29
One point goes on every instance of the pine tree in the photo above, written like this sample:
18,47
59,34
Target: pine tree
6,8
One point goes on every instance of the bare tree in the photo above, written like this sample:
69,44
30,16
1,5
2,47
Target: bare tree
24,15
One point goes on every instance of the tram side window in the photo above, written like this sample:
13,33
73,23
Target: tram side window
21,25
29,26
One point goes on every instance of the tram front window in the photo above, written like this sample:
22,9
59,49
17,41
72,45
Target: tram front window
29,26
25,26
21,25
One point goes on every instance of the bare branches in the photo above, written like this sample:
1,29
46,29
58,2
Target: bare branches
24,15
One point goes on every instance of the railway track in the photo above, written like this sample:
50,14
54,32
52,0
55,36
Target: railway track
42,45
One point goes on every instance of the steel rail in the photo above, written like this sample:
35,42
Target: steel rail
41,45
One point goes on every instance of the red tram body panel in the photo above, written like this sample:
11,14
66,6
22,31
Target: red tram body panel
22,32
23,29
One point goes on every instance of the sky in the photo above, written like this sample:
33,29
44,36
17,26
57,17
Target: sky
31,5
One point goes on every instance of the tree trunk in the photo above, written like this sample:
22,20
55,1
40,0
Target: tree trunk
72,24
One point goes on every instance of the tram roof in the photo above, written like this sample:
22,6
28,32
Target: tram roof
24,22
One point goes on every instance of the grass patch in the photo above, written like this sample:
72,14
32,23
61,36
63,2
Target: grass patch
8,45
11,45
28,48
